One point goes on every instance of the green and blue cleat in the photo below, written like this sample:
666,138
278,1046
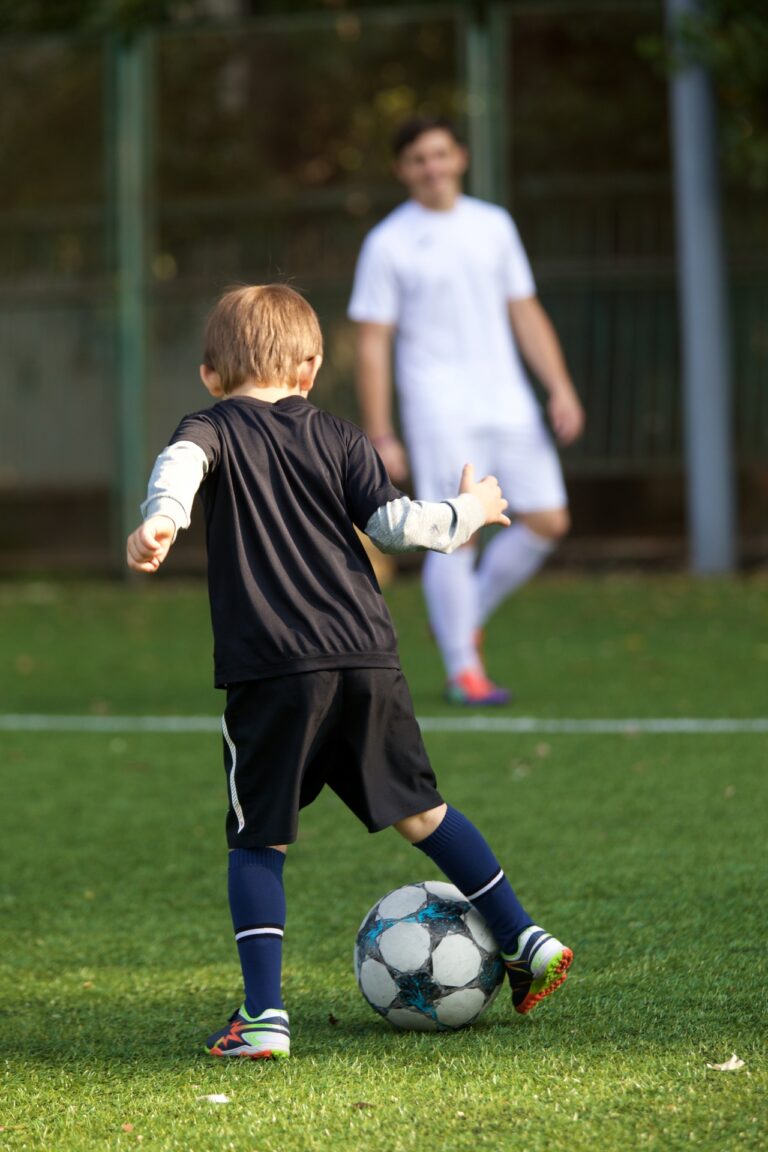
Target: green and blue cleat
537,968
263,1037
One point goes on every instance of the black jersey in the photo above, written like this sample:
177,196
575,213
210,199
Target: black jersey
290,585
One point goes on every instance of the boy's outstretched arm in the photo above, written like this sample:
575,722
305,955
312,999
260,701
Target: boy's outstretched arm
406,525
176,477
149,544
488,492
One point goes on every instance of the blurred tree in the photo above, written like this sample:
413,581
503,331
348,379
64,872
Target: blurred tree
730,38
36,16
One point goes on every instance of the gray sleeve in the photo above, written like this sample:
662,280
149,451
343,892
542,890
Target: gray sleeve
178,473
406,525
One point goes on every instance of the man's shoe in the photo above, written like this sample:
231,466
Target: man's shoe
257,1038
537,968
473,688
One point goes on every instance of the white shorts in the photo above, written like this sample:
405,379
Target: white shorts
524,460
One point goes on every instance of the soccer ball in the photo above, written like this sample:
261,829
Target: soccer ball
426,960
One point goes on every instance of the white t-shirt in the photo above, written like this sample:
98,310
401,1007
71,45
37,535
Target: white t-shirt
444,280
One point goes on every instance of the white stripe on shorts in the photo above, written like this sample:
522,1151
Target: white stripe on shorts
232,785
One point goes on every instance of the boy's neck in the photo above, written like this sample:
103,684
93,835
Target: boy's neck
271,393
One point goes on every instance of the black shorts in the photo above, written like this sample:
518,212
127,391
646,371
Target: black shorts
351,728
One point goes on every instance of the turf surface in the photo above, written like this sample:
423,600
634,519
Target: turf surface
645,853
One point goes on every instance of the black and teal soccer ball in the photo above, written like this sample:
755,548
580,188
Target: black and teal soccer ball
426,960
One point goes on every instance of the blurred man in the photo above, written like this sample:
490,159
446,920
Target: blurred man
446,278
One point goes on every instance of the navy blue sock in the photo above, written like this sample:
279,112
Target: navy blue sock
463,855
257,903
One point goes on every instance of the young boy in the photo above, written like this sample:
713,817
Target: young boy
304,644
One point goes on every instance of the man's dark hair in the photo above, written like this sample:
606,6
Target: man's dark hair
416,126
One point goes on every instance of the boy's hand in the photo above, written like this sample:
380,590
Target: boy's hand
488,492
150,543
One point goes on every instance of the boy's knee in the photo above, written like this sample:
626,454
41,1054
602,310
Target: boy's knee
417,828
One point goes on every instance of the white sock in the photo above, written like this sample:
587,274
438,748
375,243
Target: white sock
450,590
512,557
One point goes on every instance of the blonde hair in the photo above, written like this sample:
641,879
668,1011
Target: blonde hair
263,333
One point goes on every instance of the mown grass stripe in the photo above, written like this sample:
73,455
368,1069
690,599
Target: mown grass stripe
31,722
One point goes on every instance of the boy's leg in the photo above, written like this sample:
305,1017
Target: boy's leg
536,962
271,729
257,903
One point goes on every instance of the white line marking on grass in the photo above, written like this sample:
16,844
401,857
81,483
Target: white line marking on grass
35,723
28,722
594,727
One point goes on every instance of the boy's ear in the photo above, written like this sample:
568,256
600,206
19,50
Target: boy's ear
308,370
211,380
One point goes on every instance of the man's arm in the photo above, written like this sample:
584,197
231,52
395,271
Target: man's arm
538,343
374,392
405,525
176,477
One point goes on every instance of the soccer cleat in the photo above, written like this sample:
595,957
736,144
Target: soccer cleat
263,1037
537,968
472,687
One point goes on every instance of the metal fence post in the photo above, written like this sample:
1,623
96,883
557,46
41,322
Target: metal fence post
480,96
132,74
703,312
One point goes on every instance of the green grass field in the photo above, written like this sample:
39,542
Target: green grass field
645,852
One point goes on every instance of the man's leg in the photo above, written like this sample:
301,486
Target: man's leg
516,554
450,592
528,467
450,582
451,599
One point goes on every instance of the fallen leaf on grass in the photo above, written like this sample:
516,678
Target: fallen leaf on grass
127,1127
216,1098
332,1019
731,1065
363,1104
